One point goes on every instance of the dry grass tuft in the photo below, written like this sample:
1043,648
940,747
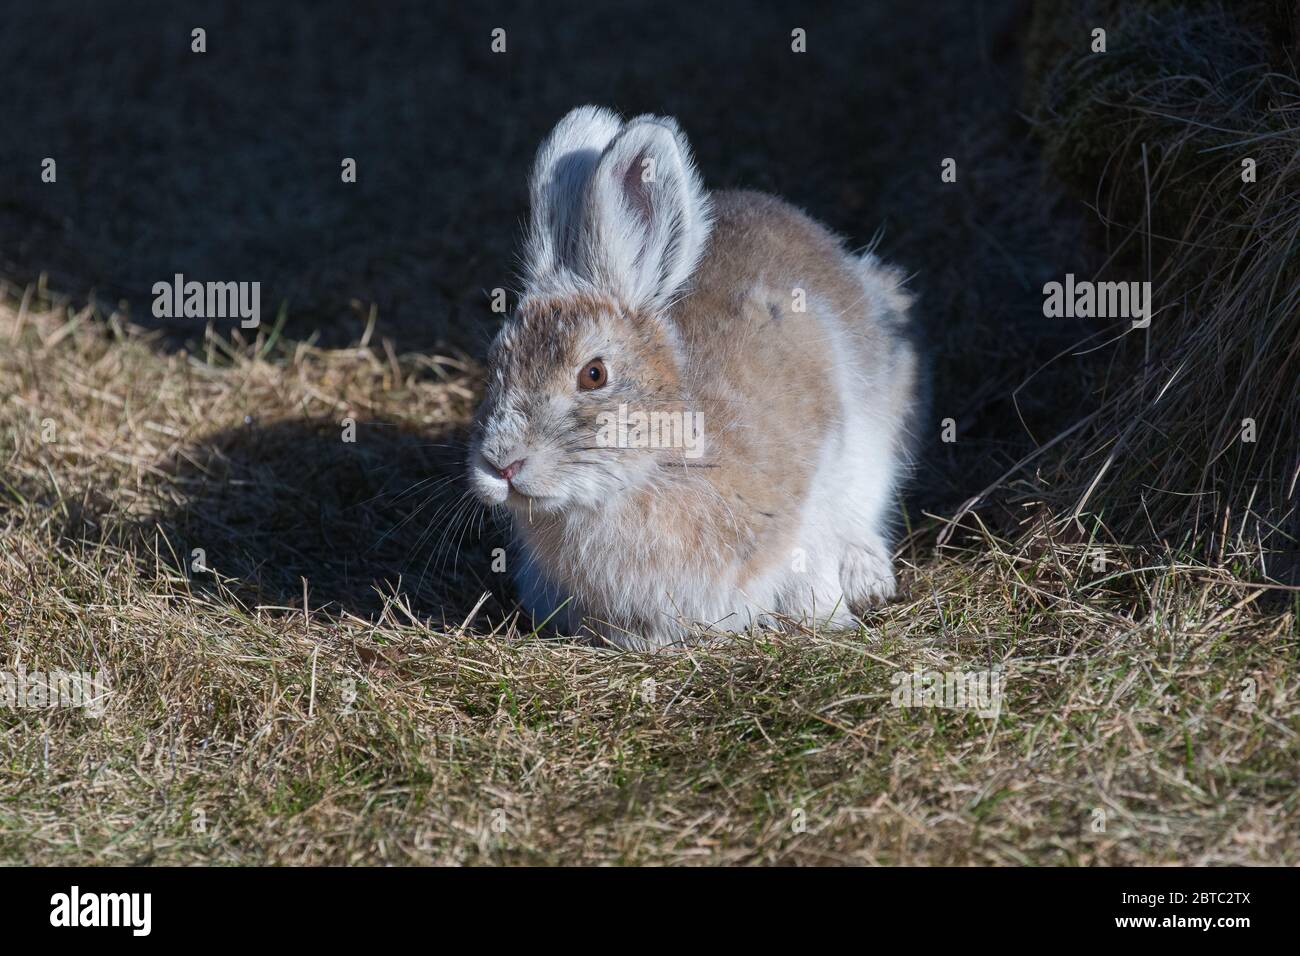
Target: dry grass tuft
1153,134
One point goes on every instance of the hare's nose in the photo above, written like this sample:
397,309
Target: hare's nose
512,469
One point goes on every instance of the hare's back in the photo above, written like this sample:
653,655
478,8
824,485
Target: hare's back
777,308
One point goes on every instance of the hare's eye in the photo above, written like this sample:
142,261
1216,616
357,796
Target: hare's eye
593,375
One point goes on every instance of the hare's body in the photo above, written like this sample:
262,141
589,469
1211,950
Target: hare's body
789,357
766,521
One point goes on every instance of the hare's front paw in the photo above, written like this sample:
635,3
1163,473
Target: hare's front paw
867,578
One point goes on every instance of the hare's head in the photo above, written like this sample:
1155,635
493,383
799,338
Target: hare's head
590,361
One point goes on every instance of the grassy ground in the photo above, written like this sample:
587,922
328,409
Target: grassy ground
374,730
309,655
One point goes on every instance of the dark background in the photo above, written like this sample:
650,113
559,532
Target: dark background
225,166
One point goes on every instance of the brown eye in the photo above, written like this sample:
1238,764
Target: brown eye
593,375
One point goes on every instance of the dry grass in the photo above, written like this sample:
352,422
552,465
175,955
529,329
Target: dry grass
1124,690
1153,134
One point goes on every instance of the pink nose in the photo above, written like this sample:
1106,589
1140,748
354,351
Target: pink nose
512,469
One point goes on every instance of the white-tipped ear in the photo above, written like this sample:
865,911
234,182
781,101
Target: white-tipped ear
558,187
647,216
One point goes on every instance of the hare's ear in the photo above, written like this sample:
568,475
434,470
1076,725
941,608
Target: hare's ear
647,216
558,189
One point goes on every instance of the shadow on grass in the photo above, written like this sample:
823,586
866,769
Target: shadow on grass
271,505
